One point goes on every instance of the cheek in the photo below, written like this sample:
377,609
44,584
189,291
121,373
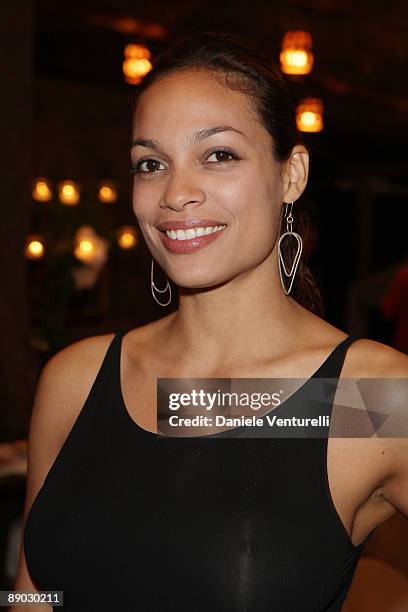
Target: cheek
142,201
143,211
253,204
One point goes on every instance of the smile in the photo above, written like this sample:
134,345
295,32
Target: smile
193,232
186,241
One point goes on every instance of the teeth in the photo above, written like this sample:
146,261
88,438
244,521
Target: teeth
193,232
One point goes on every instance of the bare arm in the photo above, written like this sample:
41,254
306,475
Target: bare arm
61,392
396,486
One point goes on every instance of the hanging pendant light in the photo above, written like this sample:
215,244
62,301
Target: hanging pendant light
309,115
136,63
296,56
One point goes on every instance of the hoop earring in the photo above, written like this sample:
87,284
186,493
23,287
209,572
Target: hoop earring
289,221
154,288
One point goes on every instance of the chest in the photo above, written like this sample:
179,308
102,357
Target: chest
218,522
355,467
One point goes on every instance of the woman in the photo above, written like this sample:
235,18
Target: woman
129,520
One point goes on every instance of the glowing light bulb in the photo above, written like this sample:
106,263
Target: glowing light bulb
127,237
136,63
90,248
296,56
309,115
69,193
137,51
41,191
107,193
34,248
87,246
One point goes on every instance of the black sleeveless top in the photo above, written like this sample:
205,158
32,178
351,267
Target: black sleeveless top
129,520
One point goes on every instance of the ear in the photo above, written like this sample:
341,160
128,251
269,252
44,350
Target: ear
295,172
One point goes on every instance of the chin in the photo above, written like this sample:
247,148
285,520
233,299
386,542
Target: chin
190,279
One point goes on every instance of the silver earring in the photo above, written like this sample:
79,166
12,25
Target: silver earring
154,288
290,233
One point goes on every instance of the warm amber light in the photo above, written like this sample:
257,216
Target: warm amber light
41,191
86,246
296,56
309,115
90,248
137,51
127,240
136,64
107,193
34,248
69,193
127,237
135,69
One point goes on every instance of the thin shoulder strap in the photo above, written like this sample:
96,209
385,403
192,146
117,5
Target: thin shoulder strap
106,374
333,365
89,418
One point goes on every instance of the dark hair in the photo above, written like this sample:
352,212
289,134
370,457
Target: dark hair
240,66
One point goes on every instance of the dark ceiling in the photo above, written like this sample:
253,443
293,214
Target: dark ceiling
361,56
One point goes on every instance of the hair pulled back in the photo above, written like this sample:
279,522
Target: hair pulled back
242,67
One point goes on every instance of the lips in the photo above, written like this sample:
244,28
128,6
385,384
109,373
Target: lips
183,247
184,224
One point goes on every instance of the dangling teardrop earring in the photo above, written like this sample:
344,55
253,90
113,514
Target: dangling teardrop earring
289,233
154,288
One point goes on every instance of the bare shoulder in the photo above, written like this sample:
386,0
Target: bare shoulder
365,357
61,392
74,368
372,359
63,387
81,355
387,394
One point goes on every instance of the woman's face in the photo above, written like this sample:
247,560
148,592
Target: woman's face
225,176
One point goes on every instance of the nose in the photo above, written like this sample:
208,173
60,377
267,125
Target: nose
182,190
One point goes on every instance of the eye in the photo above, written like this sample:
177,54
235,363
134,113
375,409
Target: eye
223,155
150,166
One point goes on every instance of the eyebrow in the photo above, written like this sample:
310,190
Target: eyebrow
195,137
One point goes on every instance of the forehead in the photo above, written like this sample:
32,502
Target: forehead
187,100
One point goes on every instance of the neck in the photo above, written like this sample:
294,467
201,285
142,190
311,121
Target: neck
244,318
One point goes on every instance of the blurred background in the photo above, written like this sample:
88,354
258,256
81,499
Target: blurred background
73,261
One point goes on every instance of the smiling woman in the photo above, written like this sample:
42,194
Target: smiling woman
119,518
261,134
